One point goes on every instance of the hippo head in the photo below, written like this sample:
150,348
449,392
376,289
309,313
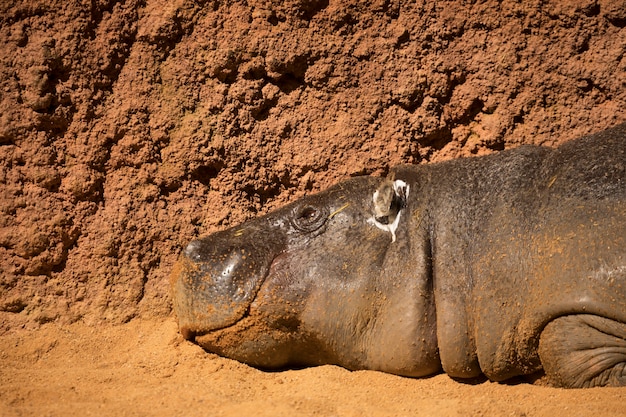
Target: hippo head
341,277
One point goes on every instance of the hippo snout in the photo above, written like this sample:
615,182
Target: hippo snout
216,280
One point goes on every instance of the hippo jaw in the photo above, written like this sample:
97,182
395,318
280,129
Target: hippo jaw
266,335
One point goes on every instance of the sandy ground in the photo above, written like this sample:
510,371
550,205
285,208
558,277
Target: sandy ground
146,368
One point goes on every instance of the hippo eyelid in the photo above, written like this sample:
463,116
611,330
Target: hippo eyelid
309,218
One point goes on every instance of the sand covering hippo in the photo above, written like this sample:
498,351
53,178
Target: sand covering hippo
502,265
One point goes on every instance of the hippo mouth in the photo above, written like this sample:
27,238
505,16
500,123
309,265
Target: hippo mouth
212,289
251,326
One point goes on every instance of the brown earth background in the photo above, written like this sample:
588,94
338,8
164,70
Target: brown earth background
128,128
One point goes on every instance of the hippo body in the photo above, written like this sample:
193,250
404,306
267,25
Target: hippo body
501,265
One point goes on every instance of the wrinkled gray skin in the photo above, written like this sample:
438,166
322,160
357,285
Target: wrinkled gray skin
502,265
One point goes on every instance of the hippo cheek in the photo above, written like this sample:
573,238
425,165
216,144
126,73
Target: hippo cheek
212,288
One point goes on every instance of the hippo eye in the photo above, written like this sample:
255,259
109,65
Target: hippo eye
308,213
309,218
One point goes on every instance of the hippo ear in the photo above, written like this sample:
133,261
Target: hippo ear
389,199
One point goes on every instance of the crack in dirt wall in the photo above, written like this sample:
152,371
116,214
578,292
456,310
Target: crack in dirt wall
128,128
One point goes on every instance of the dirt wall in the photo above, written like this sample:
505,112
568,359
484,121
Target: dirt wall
128,128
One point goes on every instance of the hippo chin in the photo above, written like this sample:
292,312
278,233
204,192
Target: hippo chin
501,265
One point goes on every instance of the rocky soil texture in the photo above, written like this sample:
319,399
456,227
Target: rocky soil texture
129,127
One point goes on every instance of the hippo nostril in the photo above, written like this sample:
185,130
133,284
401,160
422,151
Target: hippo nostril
192,250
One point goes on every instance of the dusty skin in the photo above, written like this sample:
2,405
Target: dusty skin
145,368
129,128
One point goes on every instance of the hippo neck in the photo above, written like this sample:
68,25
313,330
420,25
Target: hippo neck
456,200
445,242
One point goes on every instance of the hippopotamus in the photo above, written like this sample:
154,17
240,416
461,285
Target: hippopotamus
492,266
